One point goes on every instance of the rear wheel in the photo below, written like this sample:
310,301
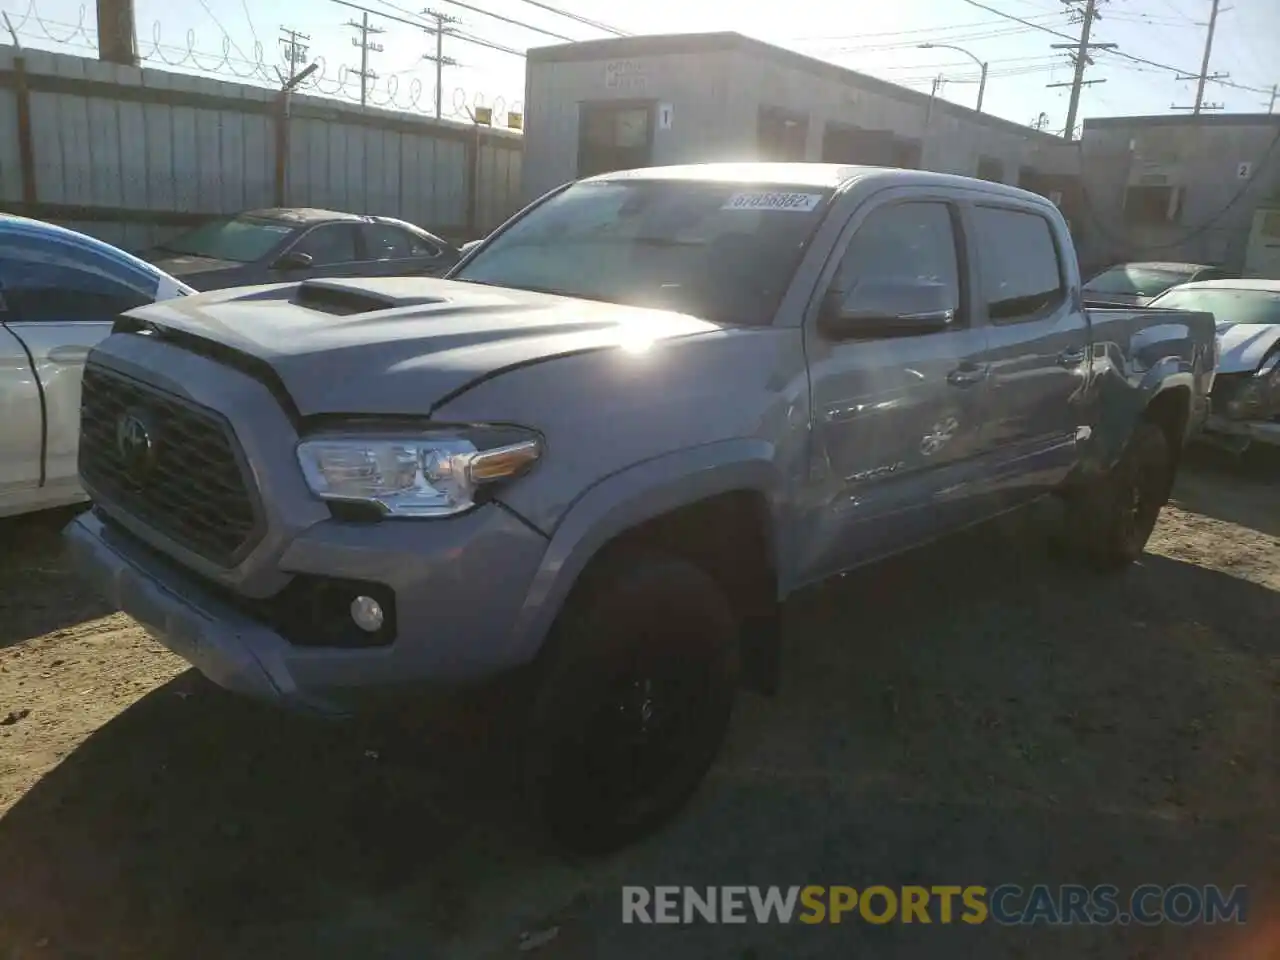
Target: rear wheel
634,703
1112,520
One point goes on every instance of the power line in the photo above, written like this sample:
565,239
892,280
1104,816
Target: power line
464,6
905,44
903,33
1115,53
244,4
218,23
1197,231
570,15
421,25
517,23
492,46
1010,16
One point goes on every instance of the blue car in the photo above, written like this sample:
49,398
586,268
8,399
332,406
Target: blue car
60,291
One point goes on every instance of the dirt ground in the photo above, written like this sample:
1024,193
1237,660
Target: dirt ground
973,713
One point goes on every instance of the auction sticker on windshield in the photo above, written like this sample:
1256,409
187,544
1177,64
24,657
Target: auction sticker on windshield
797,202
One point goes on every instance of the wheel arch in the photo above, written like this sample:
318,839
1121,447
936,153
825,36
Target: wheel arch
716,505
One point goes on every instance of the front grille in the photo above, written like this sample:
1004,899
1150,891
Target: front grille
168,463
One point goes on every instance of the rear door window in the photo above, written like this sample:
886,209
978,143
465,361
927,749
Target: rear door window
330,244
1020,273
385,242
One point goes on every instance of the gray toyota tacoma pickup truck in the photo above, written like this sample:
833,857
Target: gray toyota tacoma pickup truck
600,453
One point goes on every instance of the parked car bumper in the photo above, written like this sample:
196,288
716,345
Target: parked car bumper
1256,431
445,635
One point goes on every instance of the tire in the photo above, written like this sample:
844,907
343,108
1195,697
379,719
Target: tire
633,704
1110,522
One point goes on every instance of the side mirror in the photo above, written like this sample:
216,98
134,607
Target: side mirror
887,308
293,260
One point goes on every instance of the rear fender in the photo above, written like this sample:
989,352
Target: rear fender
1159,358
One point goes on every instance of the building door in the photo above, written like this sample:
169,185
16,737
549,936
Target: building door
614,136
781,134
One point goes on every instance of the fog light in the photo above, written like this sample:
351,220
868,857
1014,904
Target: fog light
366,612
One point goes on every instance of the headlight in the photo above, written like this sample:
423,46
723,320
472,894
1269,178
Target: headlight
436,473
1259,396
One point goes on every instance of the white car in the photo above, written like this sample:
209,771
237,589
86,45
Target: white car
1246,390
60,292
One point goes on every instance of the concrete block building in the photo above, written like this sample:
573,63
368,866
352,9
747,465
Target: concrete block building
646,101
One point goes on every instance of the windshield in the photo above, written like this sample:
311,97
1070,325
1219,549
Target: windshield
721,251
240,239
1136,281
1226,305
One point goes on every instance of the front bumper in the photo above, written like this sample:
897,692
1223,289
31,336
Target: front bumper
459,586
1256,431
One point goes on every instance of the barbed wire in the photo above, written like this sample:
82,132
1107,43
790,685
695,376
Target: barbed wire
340,83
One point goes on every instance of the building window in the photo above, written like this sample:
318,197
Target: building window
1152,204
906,154
989,168
781,134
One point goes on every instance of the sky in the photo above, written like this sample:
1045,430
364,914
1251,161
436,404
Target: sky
241,38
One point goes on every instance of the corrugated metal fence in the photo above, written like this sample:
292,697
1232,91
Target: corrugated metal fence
133,155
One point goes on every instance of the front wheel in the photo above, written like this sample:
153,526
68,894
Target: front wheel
634,702
1112,520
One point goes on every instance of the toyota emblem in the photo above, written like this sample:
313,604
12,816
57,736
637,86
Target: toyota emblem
136,446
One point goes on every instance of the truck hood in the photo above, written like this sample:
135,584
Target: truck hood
1243,345
400,345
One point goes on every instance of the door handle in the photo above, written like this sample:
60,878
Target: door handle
69,354
1071,357
966,375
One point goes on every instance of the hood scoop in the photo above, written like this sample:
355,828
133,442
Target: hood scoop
345,299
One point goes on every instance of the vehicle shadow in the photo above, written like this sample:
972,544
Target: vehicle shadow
971,714
1215,484
40,594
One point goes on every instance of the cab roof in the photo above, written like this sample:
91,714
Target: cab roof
821,176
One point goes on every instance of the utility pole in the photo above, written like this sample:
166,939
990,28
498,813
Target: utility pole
1080,55
117,33
1204,76
295,50
1271,107
366,48
441,28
